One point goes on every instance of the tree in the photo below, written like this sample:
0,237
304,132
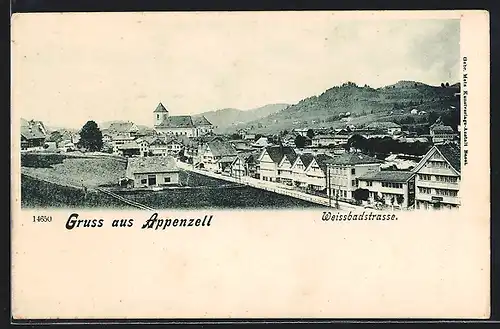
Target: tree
361,194
91,137
310,133
300,141
400,199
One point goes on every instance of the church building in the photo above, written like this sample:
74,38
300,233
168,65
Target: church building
185,125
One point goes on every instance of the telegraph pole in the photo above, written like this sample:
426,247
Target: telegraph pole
329,179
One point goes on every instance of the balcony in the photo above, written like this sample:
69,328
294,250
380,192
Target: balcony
437,184
436,198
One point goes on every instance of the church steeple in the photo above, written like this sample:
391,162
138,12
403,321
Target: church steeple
161,114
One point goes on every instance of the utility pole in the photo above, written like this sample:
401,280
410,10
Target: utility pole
329,181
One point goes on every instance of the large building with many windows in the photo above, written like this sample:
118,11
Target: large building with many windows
180,125
437,178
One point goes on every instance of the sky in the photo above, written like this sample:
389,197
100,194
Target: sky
68,68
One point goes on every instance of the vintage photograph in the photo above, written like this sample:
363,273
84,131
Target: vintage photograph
219,111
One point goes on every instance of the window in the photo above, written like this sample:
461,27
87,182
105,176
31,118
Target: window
424,177
353,171
446,179
369,183
158,117
167,179
425,190
392,185
446,192
144,181
353,182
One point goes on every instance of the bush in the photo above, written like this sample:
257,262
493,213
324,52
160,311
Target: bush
40,160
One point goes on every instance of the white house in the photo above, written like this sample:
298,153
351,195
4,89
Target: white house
269,160
300,178
437,180
212,152
441,133
152,171
343,171
285,168
324,140
390,187
316,172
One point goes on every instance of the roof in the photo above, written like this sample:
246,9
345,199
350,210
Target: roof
353,159
321,160
388,176
31,133
306,159
442,128
451,152
201,121
152,164
160,108
227,158
276,153
129,146
178,121
120,127
324,137
383,125
219,148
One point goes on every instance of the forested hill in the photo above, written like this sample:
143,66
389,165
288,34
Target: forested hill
362,102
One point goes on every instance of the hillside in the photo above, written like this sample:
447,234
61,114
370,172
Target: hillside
365,104
231,118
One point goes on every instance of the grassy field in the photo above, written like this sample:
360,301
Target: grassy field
206,195
75,172
41,194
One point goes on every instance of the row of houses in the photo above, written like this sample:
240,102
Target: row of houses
433,183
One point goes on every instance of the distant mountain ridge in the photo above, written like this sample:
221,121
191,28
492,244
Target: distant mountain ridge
230,118
359,101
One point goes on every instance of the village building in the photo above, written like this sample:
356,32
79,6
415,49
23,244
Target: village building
390,128
301,131
120,140
180,125
269,160
437,178
261,142
33,134
213,152
323,140
164,145
394,188
299,175
285,168
316,172
125,129
344,170
245,164
129,149
152,171
441,133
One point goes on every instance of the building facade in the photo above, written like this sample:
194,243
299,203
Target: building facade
180,125
393,188
437,178
344,170
152,171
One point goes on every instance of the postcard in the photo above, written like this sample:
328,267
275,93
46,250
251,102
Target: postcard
229,165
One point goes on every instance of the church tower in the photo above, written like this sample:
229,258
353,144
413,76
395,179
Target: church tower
161,114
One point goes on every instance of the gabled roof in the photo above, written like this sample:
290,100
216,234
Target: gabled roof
219,148
352,159
321,160
393,176
441,129
306,159
449,151
276,153
152,164
160,109
201,121
227,159
31,133
178,121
